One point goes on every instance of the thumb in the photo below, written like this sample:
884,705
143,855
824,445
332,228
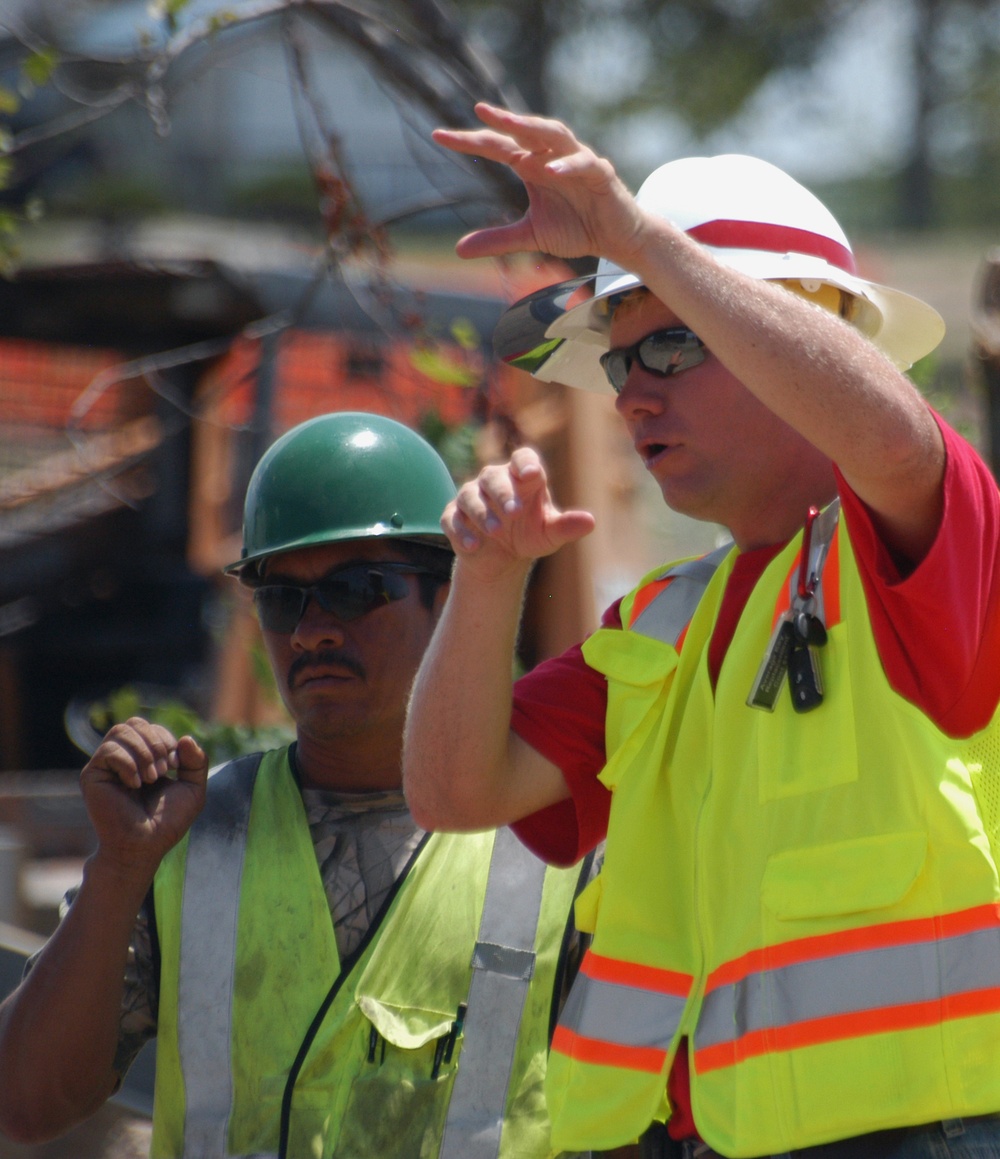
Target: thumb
497,240
192,762
569,526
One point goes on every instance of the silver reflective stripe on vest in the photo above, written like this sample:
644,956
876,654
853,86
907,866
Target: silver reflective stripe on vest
623,1014
502,966
210,905
666,617
887,978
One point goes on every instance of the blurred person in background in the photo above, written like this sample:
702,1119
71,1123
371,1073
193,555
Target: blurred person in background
323,977
792,744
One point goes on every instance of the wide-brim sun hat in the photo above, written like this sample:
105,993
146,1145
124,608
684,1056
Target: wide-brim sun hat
753,217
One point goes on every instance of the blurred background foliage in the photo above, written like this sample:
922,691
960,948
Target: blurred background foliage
642,79
221,740
635,68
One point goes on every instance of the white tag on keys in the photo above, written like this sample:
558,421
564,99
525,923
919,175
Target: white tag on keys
774,667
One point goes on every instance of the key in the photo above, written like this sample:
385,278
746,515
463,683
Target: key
810,629
804,680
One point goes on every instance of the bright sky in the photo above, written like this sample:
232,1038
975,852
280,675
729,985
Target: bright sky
845,118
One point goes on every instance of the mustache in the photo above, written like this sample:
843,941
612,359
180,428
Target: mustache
329,658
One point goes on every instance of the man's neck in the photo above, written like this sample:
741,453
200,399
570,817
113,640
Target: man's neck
774,524
341,765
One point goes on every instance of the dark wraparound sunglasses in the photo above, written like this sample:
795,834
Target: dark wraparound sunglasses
664,352
348,594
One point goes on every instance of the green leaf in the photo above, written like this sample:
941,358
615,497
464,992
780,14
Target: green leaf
442,367
39,66
465,334
220,741
10,102
221,20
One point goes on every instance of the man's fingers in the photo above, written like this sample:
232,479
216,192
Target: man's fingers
533,147
462,535
114,760
479,143
531,132
526,467
136,752
502,491
510,506
510,137
480,503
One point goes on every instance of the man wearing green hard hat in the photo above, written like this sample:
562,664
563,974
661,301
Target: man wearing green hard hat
323,977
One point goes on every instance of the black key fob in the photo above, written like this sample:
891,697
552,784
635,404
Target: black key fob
804,680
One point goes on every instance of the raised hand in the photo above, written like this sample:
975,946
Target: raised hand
578,206
143,789
505,518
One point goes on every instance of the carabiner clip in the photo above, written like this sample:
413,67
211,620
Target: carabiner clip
807,581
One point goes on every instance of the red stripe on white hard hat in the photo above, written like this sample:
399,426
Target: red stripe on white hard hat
760,235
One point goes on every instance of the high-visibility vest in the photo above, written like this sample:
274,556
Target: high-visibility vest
268,1044
810,899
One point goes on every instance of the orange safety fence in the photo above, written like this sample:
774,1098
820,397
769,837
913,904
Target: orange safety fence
40,383
318,372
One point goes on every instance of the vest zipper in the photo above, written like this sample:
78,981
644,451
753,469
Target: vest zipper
345,970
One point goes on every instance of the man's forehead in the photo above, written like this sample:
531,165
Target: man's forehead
641,310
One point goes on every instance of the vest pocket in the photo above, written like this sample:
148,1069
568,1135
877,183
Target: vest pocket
845,877
810,751
399,1099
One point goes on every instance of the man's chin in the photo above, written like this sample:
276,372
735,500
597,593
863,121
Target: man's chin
324,724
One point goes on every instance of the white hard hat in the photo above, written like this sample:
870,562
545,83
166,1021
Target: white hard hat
754,218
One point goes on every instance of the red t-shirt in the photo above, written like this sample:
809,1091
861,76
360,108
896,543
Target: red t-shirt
937,631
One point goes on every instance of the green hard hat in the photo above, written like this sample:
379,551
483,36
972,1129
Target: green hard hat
348,475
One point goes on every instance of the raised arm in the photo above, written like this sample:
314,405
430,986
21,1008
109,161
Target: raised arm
463,768
811,368
59,1029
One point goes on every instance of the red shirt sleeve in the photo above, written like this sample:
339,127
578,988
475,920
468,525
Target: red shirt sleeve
938,628
559,709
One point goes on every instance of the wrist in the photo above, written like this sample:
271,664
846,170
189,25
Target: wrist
497,577
633,250
114,873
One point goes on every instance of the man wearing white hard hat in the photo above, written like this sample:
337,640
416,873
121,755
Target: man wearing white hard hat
792,745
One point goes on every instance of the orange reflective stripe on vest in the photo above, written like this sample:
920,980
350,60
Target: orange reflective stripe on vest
857,982
622,1014
663,607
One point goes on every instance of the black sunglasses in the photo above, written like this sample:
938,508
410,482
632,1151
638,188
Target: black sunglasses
664,352
348,594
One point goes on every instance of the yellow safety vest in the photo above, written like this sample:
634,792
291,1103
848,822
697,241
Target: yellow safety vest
812,899
267,1044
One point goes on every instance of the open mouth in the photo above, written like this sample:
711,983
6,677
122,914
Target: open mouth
651,451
